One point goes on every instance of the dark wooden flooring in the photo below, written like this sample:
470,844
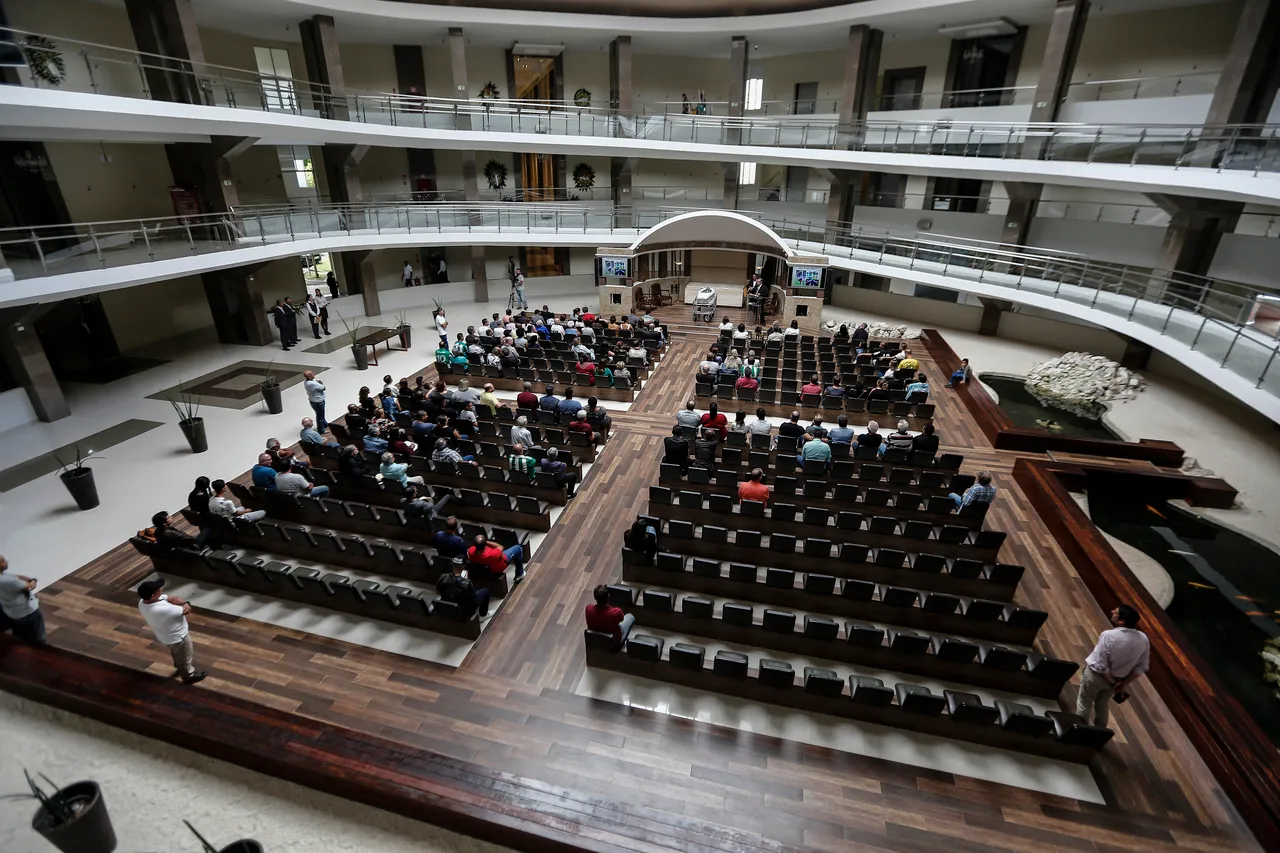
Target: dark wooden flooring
536,766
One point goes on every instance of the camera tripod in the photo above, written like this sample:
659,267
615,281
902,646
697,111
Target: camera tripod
513,300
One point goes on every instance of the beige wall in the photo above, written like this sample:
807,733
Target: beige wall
371,67
384,171
664,78
782,73
134,184
710,265
155,312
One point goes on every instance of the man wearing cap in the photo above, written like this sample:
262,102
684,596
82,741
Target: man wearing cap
167,616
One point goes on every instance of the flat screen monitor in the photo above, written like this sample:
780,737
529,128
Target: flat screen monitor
806,277
615,267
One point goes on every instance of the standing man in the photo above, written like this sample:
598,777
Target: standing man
518,282
279,318
408,274
511,268
442,327
167,616
315,396
313,306
1121,656
19,607
291,319
332,281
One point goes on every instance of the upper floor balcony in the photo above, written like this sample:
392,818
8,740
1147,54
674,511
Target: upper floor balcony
1235,162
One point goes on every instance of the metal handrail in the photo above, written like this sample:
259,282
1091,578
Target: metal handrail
1241,148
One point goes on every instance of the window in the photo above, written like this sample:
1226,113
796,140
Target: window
305,174
277,78
755,93
746,173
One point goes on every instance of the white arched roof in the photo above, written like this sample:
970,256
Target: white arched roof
713,227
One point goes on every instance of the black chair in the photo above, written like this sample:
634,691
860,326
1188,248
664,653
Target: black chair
866,690
969,709
918,699
687,656
822,682
1022,719
776,673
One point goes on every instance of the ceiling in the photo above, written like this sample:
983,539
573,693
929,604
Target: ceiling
776,34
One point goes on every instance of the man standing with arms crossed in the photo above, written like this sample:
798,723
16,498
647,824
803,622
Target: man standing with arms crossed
19,607
167,616
315,396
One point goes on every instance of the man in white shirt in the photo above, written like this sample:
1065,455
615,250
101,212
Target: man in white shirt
292,483
761,425
19,607
1122,654
222,505
442,327
408,274
689,417
315,396
167,616
520,433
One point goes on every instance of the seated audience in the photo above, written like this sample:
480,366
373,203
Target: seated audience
688,416
308,433
580,424
926,441
753,488
607,619
597,416
223,505
880,392
980,493
761,425
675,449
908,361
815,449
448,542
292,483
835,389
899,440
263,474
568,406
351,462
374,442
518,462
355,422
704,449
792,427
713,419
397,472
162,534
456,587
526,399
872,437
921,384
813,386
465,394
492,556
398,442
816,428
548,402
443,454
642,537
489,400
739,422
841,433
860,334
563,472
520,433
420,508
423,427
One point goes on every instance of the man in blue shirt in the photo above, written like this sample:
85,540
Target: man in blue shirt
548,402
374,441
981,492
840,434
921,384
264,476
309,433
814,449
568,406
447,542
423,428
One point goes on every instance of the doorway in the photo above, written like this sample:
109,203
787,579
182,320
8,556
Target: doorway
533,79
981,71
901,88
960,195
806,100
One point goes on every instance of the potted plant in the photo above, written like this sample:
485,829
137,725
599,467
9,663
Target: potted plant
74,819
496,174
189,421
489,92
584,177
44,60
358,350
244,845
79,480
272,394
582,98
405,330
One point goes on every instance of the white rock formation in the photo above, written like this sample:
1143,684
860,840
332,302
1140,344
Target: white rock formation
1081,383
878,330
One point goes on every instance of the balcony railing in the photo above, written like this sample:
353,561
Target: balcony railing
114,71
1210,316
1124,88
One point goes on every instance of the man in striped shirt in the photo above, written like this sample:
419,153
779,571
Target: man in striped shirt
981,492
518,462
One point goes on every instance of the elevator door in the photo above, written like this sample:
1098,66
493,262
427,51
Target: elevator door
533,82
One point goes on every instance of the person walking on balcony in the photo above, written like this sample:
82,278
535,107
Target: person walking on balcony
408,274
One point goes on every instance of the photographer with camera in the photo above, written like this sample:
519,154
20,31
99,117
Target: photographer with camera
517,299
1122,654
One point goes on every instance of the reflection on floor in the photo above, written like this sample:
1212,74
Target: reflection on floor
111,369
235,386
45,463
339,337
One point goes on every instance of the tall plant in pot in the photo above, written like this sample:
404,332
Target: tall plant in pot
272,394
74,819
404,329
189,421
79,480
358,350
244,845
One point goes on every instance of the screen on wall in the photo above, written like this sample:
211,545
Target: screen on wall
806,276
615,267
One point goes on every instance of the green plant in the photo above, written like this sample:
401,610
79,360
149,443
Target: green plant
353,335
496,174
269,376
584,177
60,808
402,320
489,92
582,98
44,60
187,405
208,848
63,467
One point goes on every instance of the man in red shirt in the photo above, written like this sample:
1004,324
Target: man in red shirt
606,618
580,424
812,386
526,399
754,489
586,368
491,556
716,421
587,316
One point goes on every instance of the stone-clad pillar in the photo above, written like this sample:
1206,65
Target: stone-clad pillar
737,99
1247,85
470,180
25,357
168,29
621,98
324,66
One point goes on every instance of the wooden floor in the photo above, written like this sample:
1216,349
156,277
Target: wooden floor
597,776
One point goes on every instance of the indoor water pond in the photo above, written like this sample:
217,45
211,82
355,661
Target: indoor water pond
1026,412
1226,592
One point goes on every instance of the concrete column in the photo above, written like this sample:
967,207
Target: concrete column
470,180
737,100
1195,228
369,286
1066,31
356,274
411,79
989,325
168,29
1023,200
1136,355
25,357
237,305
324,66
861,73
620,169
206,169
1247,85
620,97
